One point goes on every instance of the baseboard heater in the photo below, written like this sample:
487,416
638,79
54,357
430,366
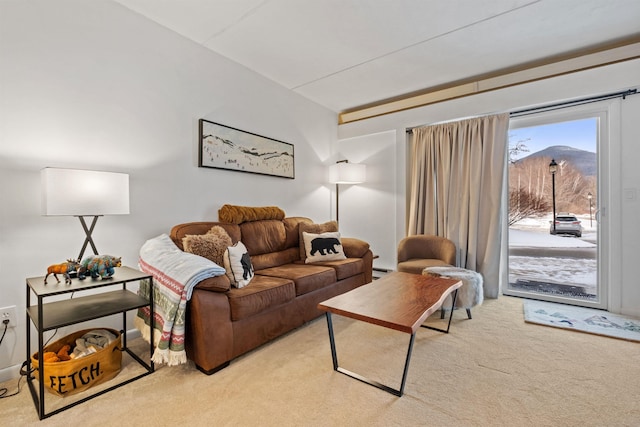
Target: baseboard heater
379,272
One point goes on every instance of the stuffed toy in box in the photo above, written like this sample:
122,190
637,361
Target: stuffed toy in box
80,361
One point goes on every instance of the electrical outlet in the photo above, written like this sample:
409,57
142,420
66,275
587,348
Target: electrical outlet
8,313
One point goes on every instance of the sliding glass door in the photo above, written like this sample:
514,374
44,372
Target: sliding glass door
556,184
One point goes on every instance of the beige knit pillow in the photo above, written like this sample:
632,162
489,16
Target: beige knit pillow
211,245
323,247
306,227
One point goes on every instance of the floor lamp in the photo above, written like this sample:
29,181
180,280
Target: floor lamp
344,172
83,193
553,168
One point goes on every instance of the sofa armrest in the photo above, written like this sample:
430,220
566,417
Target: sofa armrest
215,284
354,248
209,337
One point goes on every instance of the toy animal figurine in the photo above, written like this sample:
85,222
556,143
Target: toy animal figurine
98,266
65,268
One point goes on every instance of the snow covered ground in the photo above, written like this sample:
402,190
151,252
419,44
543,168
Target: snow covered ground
534,233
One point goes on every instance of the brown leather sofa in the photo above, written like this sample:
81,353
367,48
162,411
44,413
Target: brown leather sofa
224,322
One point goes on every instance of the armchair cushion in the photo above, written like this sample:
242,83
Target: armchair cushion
416,266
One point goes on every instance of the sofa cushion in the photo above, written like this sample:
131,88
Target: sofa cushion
314,228
345,268
274,259
237,264
211,245
264,292
263,237
307,278
323,247
292,229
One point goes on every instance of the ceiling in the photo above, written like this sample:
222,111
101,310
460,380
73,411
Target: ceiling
347,54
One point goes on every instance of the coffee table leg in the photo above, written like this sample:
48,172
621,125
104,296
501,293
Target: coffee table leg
453,306
406,364
332,341
359,377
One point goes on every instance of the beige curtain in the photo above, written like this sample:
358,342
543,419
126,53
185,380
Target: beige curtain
457,176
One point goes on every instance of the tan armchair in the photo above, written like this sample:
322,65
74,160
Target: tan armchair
415,253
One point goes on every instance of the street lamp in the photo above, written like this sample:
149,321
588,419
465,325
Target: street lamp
590,197
553,167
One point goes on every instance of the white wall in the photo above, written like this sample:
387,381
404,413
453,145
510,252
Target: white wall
93,85
629,238
624,286
371,205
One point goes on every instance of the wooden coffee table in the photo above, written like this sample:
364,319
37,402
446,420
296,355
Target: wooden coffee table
399,301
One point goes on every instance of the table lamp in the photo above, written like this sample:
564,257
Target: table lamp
82,193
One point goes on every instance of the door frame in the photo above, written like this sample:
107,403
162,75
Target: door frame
608,214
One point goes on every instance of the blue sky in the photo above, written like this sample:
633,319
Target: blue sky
580,134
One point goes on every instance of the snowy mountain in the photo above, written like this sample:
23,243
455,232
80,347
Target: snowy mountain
584,161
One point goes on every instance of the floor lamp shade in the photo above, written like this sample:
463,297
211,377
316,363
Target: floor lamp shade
75,192
347,173
343,172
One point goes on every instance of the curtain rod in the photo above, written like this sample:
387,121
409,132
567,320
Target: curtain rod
575,102
566,104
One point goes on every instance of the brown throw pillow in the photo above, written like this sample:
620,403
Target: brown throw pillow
211,245
239,214
331,226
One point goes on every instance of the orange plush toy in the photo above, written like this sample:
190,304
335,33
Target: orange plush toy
63,353
50,357
61,356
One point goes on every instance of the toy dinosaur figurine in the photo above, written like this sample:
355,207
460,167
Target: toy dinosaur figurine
99,265
65,268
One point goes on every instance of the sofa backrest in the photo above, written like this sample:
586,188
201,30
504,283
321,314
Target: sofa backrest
270,243
179,231
262,237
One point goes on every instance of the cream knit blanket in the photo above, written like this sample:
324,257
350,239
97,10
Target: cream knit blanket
175,274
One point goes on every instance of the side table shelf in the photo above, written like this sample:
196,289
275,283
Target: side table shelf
57,314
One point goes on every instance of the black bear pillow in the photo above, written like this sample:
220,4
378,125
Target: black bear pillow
238,265
323,247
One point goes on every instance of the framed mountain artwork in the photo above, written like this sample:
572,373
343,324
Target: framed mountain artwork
224,147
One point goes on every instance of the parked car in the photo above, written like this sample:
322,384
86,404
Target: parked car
566,223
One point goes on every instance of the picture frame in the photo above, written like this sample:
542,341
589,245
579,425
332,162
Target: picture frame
224,147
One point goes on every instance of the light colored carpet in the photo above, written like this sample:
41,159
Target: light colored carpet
582,319
493,370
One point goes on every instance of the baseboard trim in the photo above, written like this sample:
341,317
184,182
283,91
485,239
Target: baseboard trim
10,373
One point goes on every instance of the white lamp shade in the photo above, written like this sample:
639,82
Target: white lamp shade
75,192
347,173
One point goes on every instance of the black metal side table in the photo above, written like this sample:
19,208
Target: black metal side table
57,314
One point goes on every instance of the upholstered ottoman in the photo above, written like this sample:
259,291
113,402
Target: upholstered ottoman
470,294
